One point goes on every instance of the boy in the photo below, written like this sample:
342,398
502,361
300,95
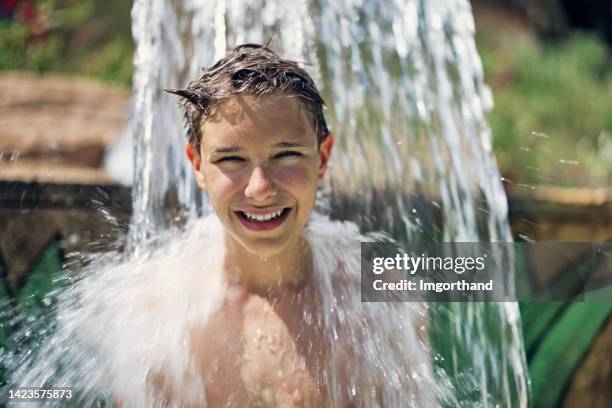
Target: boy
259,146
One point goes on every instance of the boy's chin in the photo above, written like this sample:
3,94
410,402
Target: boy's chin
265,249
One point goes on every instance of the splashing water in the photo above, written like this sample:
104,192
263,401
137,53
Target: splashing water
406,97
406,101
123,324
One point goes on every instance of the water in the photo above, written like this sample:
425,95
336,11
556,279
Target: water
121,324
406,101
406,96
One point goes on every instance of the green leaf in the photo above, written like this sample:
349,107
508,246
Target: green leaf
44,277
562,349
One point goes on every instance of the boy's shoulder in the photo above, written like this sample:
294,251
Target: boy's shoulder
336,248
334,243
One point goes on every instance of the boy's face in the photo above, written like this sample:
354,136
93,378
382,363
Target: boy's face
260,163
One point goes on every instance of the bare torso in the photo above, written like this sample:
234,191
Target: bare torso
316,345
263,351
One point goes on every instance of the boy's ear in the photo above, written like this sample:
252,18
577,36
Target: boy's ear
194,157
324,153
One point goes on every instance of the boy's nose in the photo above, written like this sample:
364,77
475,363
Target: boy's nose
260,186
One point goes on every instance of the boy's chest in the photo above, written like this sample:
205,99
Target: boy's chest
254,352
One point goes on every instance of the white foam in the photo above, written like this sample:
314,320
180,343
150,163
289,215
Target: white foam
126,321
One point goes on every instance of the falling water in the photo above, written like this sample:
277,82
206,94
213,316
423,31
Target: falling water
406,101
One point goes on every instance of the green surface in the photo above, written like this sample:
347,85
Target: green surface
561,347
558,335
34,297
450,327
33,301
4,302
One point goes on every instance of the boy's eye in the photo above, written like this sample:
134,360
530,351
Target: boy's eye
288,153
227,159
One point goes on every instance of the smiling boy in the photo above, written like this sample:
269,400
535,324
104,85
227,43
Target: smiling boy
259,146
260,161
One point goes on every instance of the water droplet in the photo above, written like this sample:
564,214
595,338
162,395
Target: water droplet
526,238
267,395
307,316
259,335
540,135
569,162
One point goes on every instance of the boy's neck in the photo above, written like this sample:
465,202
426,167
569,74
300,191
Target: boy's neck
288,270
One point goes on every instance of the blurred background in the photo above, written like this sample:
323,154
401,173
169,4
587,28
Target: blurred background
65,83
548,63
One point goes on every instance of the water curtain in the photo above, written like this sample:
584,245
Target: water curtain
406,100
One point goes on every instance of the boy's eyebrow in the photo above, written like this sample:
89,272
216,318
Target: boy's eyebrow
230,149
290,144
233,149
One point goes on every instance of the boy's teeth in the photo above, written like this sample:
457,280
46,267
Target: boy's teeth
265,217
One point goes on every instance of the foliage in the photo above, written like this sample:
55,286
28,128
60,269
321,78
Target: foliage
25,317
552,121
90,37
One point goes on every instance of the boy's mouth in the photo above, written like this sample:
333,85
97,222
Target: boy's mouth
263,222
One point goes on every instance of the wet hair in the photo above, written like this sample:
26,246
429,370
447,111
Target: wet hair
249,69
